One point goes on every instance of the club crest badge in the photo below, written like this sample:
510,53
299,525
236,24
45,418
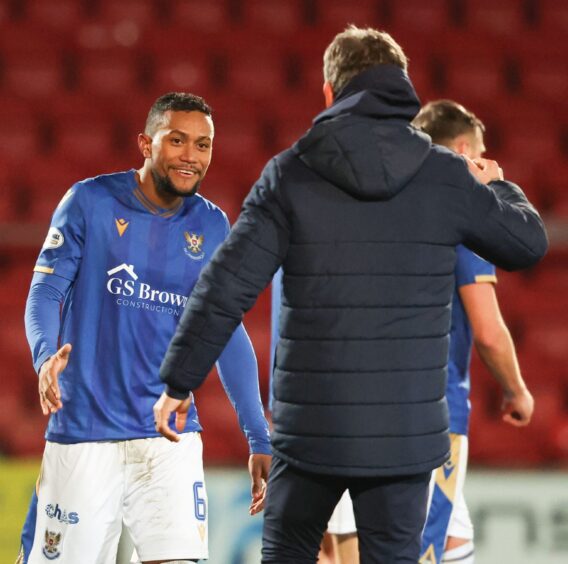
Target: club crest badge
51,546
193,246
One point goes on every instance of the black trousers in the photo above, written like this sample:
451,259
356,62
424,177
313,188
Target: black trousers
389,513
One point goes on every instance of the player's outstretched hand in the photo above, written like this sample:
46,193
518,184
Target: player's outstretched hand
259,466
485,170
163,409
518,408
48,386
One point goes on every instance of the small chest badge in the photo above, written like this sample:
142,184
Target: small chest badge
51,546
194,246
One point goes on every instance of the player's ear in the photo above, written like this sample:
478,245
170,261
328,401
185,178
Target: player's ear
145,145
328,94
461,145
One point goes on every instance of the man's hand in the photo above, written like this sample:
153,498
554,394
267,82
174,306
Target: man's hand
518,408
259,466
484,170
48,386
163,409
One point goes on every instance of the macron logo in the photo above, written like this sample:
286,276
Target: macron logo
128,267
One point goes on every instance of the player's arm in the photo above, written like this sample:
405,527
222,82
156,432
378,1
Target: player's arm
497,351
238,371
54,272
42,322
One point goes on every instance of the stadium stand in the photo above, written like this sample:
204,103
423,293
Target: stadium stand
76,80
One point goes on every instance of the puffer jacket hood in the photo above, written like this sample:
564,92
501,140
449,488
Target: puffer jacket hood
384,155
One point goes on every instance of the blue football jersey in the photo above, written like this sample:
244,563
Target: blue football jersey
470,269
131,266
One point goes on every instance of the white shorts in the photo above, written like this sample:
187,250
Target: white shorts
86,490
342,521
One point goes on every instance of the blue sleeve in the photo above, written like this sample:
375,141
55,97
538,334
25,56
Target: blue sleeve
472,269
274,324
238,371
63,247
42,317
55,269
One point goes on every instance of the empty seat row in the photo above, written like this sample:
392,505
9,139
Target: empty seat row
506,17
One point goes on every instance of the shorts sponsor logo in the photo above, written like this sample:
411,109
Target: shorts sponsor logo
124,283
54,239
55,512
51,545
193,248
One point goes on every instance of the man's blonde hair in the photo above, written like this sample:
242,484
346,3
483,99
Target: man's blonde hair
355,50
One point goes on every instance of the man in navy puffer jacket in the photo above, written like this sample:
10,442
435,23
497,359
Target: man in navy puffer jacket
364,214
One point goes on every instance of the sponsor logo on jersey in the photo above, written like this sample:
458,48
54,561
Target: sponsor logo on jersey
55,512
132,292
51,545
54,239
193,247
202,530
121,226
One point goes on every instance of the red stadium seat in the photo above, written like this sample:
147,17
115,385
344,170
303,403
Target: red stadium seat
47,189
290,122
552,177
88,138
559,441
544,72
475,76
336,15
19,134
37,75
506,17
183,73
112,72
140,12
274,16
499,444
553,15
413,16
60,15
253,73
536,139
210,16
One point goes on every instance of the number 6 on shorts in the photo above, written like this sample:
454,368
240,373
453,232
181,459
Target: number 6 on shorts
199,501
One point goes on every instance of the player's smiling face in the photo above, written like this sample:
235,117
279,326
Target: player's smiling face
181,152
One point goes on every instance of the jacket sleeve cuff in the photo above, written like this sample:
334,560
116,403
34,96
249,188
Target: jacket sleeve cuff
176,393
